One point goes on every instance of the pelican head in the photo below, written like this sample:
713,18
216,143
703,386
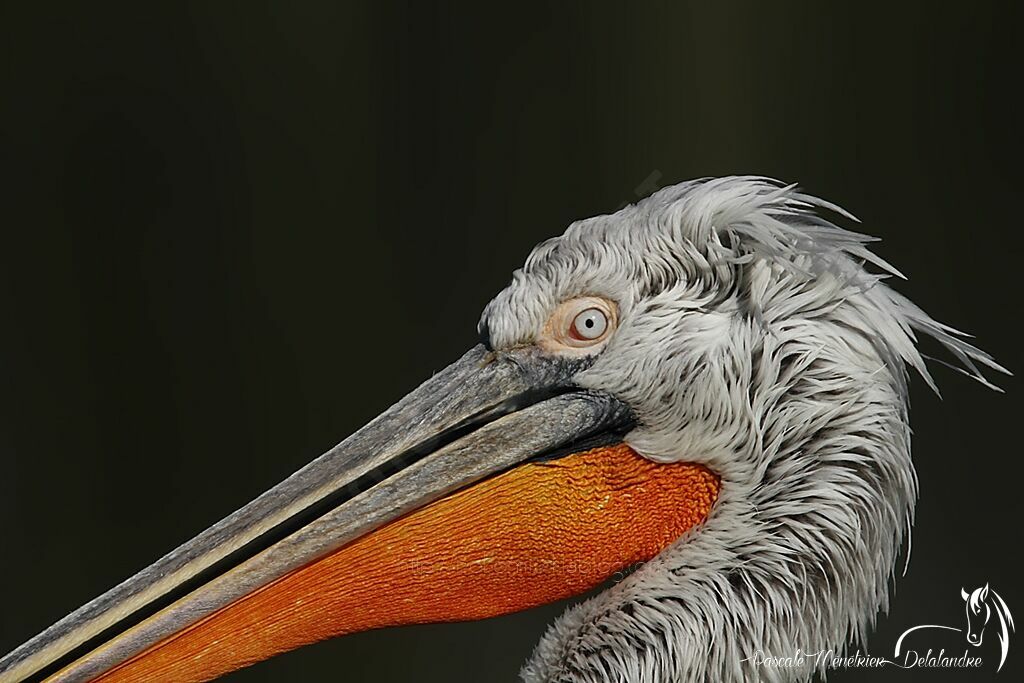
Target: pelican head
708,388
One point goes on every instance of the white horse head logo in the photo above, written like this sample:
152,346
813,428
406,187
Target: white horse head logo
980,604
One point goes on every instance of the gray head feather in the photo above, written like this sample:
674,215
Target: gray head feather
762,340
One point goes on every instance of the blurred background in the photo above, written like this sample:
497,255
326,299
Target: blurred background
234,232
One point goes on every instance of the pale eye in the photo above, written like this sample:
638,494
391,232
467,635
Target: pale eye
589,325
579,326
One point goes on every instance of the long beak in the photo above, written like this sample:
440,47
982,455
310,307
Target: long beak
425,514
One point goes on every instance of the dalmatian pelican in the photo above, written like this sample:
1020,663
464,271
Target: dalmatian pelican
703,395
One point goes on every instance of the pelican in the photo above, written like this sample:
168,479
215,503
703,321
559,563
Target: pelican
703,396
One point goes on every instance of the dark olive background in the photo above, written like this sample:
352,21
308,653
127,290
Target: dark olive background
234,232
